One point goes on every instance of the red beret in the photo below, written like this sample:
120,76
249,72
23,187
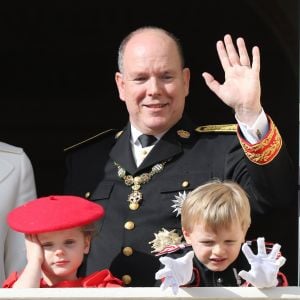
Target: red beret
53,213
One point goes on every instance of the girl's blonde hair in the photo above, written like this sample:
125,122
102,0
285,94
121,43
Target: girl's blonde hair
216,204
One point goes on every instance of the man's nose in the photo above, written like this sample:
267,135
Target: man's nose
154,87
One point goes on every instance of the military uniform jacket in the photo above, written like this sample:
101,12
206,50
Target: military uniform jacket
191,158
203,277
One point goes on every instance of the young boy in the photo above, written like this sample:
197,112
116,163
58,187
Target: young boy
58,231
215,218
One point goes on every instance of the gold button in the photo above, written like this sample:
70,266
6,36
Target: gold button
87,195
127,251
129,225
126,279
185,184
145,152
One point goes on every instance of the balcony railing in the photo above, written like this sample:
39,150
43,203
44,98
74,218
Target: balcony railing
218,293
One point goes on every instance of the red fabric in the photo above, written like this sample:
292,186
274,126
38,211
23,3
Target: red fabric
9,282
96,280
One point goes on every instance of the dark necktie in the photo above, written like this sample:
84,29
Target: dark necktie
147,140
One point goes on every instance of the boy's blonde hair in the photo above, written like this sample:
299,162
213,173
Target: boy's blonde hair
216,204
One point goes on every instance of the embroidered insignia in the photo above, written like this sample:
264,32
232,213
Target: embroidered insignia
99,135
172,249
266,149
217,128
183,134
118,134
178,202
164,238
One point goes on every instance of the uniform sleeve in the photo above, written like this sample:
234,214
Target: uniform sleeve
265,170
102,278
282,279
266,149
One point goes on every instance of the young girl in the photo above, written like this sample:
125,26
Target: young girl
58,232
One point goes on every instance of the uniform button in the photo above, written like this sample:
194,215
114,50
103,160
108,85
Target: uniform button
219,281
129,225
127,251
126,279
185,184
87,195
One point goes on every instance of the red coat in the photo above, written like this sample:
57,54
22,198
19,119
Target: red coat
97,279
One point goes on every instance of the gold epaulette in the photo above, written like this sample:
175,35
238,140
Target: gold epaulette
89,139
266,149
217,128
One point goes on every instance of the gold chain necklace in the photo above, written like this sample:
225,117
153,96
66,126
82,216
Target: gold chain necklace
136,196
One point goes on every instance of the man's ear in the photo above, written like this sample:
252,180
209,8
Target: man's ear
186,78
120,84
87,244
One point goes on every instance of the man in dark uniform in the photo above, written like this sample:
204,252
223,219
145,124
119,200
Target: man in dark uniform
141,180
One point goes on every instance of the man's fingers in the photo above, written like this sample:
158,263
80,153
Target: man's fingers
232,54
256,59
243,53
210,81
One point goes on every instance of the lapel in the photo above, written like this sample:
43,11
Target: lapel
169,146
121,152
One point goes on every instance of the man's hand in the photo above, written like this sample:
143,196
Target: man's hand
176,272
264,267
241,89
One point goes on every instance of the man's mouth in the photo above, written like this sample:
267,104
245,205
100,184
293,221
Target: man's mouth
155,105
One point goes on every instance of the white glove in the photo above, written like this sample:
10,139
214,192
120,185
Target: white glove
176,272
264,267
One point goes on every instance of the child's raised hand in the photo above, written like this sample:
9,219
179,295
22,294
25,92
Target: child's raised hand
264,266
34,249
176,272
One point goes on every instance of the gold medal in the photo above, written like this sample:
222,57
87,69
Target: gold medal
136,196
134,206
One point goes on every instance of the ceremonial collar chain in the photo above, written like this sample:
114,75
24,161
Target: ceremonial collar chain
136,196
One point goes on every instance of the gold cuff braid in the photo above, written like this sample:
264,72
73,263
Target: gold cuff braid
266,149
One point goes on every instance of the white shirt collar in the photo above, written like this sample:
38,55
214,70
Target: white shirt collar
135,133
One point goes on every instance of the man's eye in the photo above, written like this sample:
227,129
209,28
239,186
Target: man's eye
167,77
139,79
